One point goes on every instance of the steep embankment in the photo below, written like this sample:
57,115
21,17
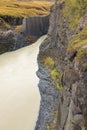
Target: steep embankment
63,69
11,40
36,26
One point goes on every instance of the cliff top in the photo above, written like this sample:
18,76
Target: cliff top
22,8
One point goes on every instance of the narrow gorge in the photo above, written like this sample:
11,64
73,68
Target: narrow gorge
58,94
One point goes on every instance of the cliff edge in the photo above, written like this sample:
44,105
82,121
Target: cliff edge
62,70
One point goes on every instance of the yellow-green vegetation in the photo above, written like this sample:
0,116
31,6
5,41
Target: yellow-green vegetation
56,77
49,127
49,62
4,25
81,56
81,53
54,121
55,73
18,28
78,41
16,8
73,10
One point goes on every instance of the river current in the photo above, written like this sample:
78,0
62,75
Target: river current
19,93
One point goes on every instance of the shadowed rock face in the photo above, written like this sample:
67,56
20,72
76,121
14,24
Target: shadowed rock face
12,20
11,40
36,26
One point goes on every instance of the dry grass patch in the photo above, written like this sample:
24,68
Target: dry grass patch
79,41
23,9
73,11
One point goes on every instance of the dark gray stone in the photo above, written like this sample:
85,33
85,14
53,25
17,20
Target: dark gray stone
36,26
11,40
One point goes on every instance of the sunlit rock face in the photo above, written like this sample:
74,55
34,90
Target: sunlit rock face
36,25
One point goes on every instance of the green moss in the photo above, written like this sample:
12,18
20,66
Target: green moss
55,73
59,87
48,127
49,61
82,58
81,53
56,77
54,122
51,124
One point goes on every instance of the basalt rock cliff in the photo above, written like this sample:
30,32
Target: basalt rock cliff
63,75
36,26
11,40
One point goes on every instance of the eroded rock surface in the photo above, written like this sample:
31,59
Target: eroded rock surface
70,103
11,40
36,25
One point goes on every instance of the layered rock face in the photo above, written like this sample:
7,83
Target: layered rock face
36,26
65,108
11,40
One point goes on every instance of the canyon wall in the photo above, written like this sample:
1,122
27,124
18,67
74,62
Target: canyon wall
36,25
33,28
10,41
63,76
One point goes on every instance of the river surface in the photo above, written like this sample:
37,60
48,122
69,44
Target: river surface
19,94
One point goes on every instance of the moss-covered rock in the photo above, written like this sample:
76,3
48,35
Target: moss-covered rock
78,41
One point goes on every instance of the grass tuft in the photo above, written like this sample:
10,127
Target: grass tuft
78,41
54,72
